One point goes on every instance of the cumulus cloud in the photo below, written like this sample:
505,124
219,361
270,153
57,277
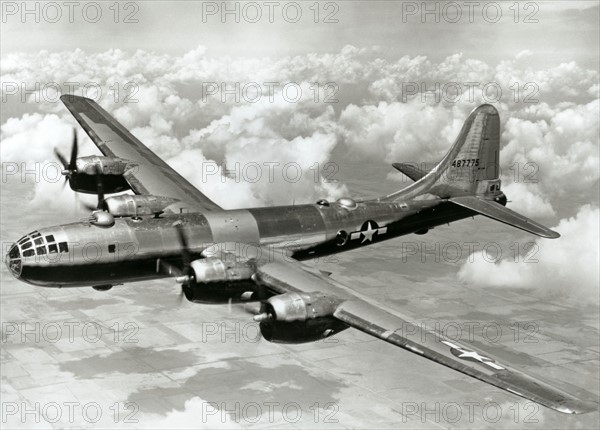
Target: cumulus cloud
544,269
526,199
555,148
161,98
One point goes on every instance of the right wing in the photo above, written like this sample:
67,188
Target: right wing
466,359
281,275
151,176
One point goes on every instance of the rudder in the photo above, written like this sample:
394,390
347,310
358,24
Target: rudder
470,167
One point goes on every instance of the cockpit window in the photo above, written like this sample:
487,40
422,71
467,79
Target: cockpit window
28,253
52,248
39,241
50,238
23,240
27,245
14,252
41,250
36,234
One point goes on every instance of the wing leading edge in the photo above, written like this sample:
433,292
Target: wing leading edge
283,275
151,176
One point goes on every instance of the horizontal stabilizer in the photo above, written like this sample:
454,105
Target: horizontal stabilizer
410,170
500,213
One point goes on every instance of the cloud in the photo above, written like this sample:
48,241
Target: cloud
398,131
526,199
568,266
161,99
556,148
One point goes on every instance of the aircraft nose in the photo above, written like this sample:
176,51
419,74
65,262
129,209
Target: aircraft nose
13,260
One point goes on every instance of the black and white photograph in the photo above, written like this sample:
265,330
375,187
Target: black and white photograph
306,214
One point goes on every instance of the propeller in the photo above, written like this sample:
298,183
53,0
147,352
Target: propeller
184,275
100,192
265,313
69,167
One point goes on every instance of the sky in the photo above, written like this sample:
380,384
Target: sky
366,85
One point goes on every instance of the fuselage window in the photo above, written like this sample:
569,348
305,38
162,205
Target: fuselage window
52,248
112,248
63,247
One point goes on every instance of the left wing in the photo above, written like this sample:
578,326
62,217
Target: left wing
151,176
283,275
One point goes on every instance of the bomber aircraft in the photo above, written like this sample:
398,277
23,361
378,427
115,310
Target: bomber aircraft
166,227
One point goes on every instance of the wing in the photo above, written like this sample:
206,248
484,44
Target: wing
282,275
151,175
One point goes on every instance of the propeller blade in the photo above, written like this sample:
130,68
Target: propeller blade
74,150
89,207
100,188
251,308
168,269
61,158
181,297
185,251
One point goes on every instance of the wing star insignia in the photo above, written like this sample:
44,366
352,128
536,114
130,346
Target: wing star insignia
369,231
471,355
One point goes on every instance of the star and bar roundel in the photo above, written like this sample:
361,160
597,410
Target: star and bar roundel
369,232
468,355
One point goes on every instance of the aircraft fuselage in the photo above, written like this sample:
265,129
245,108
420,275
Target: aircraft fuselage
83,254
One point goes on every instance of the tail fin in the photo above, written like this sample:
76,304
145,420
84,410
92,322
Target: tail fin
471,166
468,175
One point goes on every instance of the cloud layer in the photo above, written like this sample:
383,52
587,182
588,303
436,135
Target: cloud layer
236,114
567,267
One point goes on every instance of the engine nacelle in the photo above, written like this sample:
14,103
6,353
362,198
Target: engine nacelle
137,205
299,318
218,280
93,165
83,178
216,270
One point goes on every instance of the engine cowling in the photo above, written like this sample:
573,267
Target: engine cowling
299,318
137,205
220,280
83,178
